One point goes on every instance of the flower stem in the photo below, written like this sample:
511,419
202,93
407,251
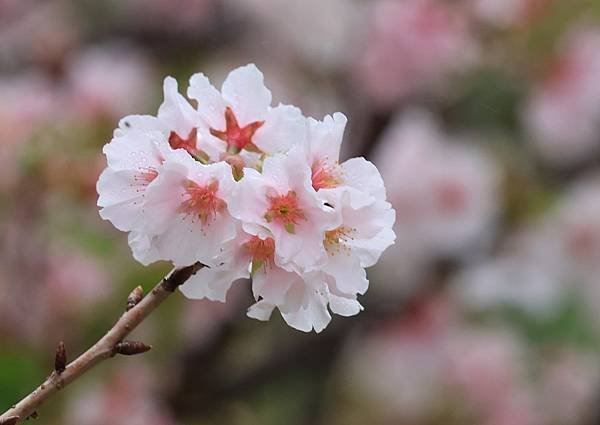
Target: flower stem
104,349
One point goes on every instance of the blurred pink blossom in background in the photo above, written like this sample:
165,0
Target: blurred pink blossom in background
412,46
563,113
483,117
444,192
127,397
109,82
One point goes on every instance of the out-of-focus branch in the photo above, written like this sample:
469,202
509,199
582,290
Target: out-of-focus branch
109,345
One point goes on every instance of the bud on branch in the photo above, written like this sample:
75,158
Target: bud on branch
135,297
180,276
131,348
60,359
110,344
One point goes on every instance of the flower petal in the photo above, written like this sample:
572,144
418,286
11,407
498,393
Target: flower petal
245,91
272,284
364,176
344,305
142,248
214,282
211,105
135,149
176,111
349,276
261,310
284,128
121,198
326,137
306,309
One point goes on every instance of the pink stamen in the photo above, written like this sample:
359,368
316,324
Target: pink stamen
338,240
261,250
143,178
284,209
236,137
451,197
324,176
189,143
202,201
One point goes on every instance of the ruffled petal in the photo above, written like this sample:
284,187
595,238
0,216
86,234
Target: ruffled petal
135,149
349,276
250,202
214,282
142,248
245,91
121,198
144,123
326,137
344,305
261,310
305,309
175,111
180,235
364,176
211,105
272,284
284,129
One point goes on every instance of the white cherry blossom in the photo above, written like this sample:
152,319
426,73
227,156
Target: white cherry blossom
136,153
302,300
250,191
233,263
562,114
281,202
134,159
323,151
363,232
176,119
186,210
240,116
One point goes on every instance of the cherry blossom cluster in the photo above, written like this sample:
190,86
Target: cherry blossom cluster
251,191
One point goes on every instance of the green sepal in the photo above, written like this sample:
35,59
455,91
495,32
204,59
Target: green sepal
256,265
290,228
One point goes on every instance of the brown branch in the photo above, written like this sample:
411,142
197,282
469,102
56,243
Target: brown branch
108,346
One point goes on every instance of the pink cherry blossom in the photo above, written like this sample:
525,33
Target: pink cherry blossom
28,104
403,368
128,396
562,113
413,45
568,385
108,81
443,190
326,39
301,299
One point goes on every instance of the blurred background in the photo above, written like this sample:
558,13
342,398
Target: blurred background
484,118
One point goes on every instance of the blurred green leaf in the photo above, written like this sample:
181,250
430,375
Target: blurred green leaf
490,100
569,324
19,373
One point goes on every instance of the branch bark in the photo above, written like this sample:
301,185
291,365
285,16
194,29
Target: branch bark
105,348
